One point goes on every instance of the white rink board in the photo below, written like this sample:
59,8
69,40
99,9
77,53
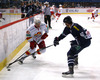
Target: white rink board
79,10
12,36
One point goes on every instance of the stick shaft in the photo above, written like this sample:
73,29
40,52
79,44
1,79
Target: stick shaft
27,56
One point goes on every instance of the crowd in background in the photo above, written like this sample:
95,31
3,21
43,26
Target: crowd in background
37,7
31,8
18,3
34,7
81,4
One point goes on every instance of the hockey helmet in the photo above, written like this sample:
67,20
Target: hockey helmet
46,3
37,21
96,9
60,5
68,20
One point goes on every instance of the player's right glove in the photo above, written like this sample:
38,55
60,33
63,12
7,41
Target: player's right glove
56,41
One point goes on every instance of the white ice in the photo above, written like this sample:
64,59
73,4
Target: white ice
51,64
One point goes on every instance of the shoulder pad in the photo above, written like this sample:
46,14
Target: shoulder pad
43,24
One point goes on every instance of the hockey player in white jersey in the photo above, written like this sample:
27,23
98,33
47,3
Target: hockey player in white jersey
35,35
52,10
58,14
94,14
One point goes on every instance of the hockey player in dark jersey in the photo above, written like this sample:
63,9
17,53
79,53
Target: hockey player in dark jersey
82,40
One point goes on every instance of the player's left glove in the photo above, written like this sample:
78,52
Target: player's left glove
56,41
44,36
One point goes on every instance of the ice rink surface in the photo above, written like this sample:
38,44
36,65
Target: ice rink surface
51,64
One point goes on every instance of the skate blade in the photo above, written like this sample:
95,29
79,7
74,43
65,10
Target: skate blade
67,76
20,63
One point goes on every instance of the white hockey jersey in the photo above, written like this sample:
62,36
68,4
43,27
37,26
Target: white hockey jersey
60,10
35,34
52,9
95,12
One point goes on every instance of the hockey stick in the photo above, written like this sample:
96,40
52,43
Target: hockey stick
27,56
15,60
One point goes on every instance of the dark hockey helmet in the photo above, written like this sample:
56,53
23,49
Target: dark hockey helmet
68,20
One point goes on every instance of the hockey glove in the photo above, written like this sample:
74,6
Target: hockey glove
56,41
44,36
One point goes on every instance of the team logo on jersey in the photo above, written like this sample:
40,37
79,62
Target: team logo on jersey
38,33
27,32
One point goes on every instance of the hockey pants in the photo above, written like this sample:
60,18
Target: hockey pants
74,50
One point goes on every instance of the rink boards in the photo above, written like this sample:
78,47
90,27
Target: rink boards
13,37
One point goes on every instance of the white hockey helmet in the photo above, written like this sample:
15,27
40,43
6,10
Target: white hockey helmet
60,5
96,9
37,21
53,5
46,3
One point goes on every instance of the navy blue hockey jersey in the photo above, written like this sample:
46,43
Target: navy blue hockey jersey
78,32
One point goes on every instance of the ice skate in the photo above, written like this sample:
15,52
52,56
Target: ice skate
93,20
88,17
3,18
52,18
68,73
20,61
50,27
34,57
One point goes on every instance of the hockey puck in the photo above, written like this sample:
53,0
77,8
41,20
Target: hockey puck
8,69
